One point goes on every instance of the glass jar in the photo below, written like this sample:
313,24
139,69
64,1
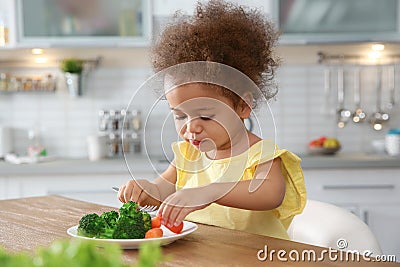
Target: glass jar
125,119
392,142
103,120
115,119
13,84
114,144
50,83
136,143
4,80
126,143
136,120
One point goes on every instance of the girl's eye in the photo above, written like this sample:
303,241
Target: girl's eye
206,118
180,117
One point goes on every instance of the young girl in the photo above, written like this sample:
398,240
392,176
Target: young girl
222,174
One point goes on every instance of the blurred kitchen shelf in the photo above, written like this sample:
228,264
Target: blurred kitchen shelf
28,92
75,166
158,164
45,62
354,59
16,83
349,160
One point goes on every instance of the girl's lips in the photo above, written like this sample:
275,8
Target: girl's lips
195,142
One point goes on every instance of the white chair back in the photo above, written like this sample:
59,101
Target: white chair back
326,225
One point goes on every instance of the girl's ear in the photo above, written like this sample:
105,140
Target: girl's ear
244,107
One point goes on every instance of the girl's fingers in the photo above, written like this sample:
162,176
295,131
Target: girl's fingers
121,194
136,191
173,215
160,209
169,210
181,216
128,191
141,197
163,212
133,191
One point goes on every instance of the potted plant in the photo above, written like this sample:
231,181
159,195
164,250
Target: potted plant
73,69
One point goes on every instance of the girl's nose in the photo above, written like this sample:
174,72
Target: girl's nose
193,126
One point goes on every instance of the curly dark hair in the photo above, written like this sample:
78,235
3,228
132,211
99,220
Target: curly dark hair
222,32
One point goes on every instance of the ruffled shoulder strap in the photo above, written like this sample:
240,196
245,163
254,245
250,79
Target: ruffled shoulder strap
296,195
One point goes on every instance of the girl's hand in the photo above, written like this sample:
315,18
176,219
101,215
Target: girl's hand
136,190
177,206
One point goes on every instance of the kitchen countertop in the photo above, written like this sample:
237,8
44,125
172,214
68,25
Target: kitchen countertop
351,160
142,164
84,166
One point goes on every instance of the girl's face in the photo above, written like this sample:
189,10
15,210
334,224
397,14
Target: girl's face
206,118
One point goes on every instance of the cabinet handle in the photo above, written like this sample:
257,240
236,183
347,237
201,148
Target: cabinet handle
359,187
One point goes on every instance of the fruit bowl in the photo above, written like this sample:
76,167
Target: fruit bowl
323,150
324,146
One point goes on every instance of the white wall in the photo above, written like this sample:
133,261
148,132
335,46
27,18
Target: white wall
298,110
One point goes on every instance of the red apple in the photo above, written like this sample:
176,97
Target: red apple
316,143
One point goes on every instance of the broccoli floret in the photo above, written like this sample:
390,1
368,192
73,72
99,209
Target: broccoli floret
127,228
90,225
106,233
110,217
130,209
146,220
130,223
110,221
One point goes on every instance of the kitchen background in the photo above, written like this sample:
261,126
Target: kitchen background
301,110
304,109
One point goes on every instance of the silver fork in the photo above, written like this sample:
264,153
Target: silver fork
146,208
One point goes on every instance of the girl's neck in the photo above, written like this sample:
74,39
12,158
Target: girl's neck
238,145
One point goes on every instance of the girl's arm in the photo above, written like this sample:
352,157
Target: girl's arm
166,183
264,192
145,192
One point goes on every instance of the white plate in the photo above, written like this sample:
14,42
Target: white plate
168,237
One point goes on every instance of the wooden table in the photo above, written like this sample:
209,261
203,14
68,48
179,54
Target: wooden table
28,223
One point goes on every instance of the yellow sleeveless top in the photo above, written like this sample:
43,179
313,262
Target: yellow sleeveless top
195,169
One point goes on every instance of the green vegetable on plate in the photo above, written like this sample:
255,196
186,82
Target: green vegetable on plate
130,223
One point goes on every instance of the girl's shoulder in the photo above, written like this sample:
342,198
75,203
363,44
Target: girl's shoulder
263,147
266,150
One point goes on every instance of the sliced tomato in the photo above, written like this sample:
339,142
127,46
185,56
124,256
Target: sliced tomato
176,229
156,222
154,233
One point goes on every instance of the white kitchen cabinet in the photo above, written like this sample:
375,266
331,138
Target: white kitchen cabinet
384,220
106,23
333,21
371,194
